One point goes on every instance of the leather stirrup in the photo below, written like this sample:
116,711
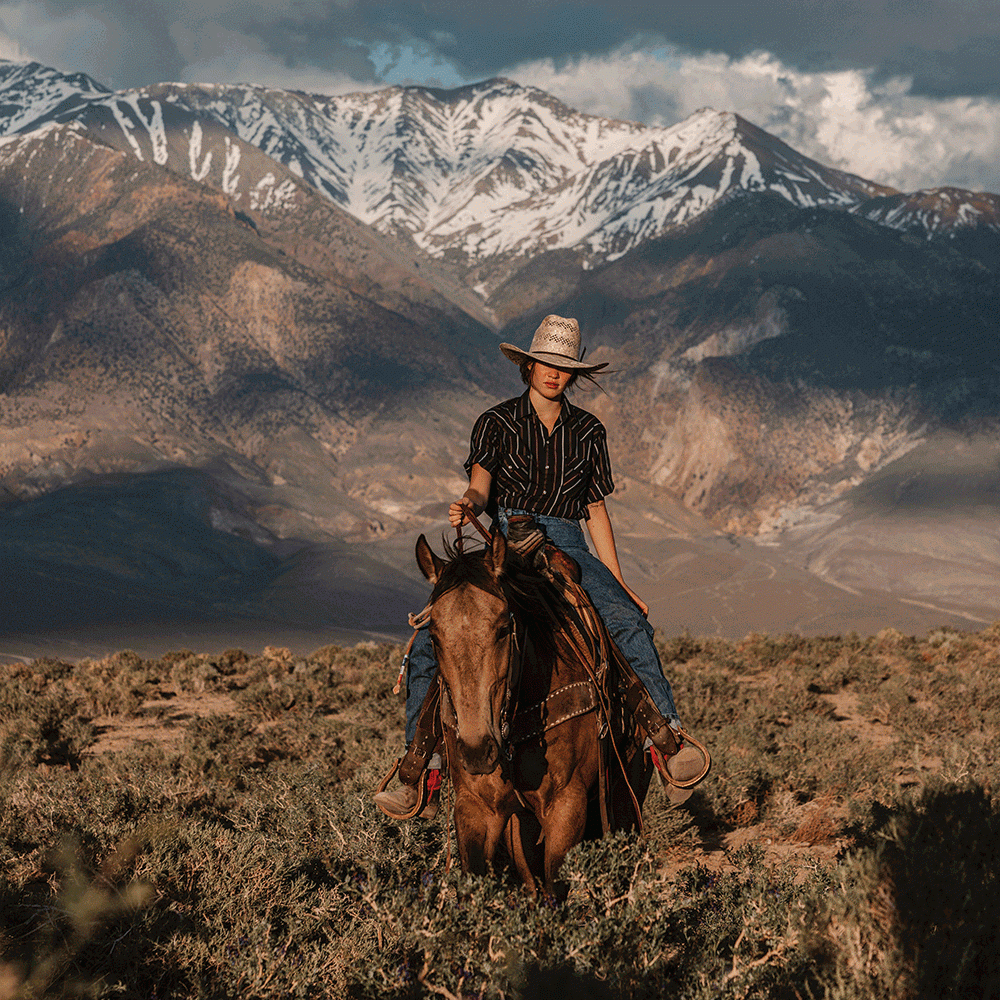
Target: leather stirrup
425,740
423,793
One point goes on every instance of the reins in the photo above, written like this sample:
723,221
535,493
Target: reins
477,524
422,618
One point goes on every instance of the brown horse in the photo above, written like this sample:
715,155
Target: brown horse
520,711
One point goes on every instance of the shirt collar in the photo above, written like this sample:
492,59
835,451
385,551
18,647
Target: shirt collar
524,410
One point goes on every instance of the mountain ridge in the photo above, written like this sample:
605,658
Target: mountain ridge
468,173
172,296
449,167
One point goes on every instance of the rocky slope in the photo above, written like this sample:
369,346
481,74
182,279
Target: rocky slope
968,220
144,325
769,358
943,211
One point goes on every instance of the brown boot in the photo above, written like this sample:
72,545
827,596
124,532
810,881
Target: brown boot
688,766
399,803
402,800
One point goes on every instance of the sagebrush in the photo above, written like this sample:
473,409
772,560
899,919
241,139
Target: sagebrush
238,854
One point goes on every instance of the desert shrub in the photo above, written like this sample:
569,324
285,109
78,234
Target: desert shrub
229,661
624,925
679,648
263,869
44,729
87,905
329,681
915,915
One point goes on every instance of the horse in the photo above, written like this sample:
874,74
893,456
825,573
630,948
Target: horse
523,714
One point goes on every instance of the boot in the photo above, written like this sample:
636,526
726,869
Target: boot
684,765
402,800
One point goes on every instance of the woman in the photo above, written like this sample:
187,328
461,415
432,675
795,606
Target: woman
539,454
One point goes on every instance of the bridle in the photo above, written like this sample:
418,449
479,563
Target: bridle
422,618
515,655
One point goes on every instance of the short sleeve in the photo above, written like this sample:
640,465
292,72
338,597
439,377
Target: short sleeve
601,481
484,447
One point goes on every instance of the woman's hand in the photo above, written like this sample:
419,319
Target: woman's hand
458,511
643,606
473,500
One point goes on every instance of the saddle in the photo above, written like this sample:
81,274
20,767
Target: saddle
626,714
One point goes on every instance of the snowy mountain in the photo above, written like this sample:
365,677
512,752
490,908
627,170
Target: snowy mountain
935,211
299,298
485,175
29,92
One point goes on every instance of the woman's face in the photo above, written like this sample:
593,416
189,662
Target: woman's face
549,382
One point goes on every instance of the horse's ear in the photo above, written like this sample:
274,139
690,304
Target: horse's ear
429,563
497,554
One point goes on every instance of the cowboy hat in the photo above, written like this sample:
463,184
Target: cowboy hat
556,342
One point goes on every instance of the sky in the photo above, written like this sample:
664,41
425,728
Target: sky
905,92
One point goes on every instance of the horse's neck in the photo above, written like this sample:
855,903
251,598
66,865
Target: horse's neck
546,668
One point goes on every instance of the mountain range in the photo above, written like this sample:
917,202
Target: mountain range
297,299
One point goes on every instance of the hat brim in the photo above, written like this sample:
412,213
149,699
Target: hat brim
518,356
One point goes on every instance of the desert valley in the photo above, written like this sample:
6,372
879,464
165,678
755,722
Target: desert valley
246,331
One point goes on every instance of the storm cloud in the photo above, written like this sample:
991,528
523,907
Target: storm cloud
902,91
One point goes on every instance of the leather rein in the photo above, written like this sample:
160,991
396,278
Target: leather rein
565,703
422,618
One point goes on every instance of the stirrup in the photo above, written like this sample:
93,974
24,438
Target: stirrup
423,793
691,782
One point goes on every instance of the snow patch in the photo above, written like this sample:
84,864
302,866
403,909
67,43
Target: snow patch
198,171
231,179
126,126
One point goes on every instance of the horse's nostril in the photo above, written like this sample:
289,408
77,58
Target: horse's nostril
481,759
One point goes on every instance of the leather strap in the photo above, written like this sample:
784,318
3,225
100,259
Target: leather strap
641,707
425,741
560,706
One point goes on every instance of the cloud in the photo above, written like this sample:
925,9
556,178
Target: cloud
11,48
219,55
117,47
901,91
948,47
851,119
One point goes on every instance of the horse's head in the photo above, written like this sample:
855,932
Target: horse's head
472,632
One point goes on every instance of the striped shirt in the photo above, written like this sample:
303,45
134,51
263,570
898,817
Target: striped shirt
556,474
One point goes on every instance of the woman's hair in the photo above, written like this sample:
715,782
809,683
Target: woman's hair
528,363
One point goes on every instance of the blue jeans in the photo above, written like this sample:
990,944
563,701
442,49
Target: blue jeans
628,627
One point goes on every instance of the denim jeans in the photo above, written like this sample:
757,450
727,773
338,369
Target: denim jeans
628,627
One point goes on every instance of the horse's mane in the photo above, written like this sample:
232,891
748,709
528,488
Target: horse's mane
537,602
464,567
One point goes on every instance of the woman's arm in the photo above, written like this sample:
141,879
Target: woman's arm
475,497
603,537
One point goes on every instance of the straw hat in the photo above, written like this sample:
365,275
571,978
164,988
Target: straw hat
557,343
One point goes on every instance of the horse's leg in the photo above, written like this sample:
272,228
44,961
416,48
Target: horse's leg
523,835
478,829
563,825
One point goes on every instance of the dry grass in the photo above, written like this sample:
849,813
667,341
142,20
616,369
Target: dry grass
201,826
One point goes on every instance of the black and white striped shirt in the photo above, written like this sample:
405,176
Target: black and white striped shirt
556,474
